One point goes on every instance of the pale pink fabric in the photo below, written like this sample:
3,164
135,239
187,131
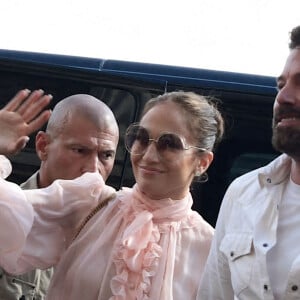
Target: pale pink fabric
5,167
134,248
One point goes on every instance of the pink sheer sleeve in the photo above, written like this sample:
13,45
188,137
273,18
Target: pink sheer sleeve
36,225
58,209
16,218
5,167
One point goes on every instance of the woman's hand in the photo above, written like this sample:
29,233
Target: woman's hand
20,117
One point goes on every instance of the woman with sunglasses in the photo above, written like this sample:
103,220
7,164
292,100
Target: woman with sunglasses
146,243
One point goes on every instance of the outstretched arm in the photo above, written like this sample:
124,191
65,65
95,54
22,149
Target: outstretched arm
36,226
20,117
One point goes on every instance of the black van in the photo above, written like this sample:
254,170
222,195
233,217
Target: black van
245,100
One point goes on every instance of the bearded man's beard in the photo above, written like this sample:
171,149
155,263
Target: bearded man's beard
286,140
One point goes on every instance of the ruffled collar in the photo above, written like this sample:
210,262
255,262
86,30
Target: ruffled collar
138,252
164,210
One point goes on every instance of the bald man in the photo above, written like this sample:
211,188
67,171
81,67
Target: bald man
81,136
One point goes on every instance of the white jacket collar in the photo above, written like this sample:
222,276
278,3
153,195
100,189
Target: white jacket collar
276,171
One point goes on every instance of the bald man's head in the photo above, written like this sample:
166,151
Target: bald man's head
84,106
82,136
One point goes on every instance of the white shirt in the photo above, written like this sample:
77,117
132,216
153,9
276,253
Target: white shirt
245,232
280,258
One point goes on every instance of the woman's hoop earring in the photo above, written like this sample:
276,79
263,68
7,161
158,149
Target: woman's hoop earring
201,178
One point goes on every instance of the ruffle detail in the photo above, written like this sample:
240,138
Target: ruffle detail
138,254
136,259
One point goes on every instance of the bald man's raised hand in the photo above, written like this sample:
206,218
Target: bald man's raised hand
20,117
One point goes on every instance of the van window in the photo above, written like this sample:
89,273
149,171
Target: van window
248,162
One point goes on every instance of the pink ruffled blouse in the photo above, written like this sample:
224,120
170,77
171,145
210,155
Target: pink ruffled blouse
134,248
